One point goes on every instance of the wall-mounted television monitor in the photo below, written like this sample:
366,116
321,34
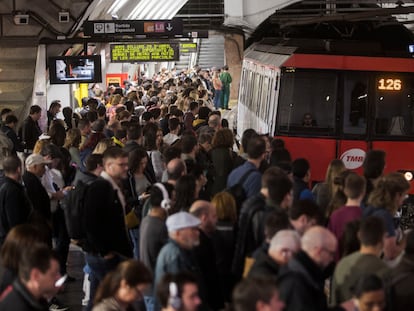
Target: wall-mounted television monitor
75,69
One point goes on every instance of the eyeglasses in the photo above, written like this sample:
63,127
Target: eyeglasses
287,251
331,253
122,164
140,296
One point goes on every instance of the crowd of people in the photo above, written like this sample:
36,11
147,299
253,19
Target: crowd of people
174,214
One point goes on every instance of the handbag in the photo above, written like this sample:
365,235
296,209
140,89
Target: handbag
131,219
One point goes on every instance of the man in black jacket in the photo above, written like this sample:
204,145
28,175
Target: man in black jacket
210,290
42,214
106,234
36,284
282,247
302,280
275,195
15,206
30,130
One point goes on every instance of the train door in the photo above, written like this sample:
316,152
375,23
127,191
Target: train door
353,140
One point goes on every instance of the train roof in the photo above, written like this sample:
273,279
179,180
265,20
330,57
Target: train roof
326,54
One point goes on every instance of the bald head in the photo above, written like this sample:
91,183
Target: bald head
284,244
175,169
320,245
206,212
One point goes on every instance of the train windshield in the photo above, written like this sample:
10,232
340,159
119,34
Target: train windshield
351,104
394,111
308,102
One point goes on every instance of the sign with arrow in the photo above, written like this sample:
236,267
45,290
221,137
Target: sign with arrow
152,28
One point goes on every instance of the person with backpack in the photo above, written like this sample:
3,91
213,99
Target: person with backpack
8,128
73,207
6,148
274,195
256,151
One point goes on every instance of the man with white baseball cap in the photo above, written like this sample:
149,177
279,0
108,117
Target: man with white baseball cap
42,214
176,256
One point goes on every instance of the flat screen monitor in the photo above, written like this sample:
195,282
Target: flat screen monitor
75,69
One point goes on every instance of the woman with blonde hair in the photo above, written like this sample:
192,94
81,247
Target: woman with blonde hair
102,145
384,201
325,191
72,142
121,288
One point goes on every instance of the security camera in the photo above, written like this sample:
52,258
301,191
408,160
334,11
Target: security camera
21,19
63,17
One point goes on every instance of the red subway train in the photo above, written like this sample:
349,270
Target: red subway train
330,99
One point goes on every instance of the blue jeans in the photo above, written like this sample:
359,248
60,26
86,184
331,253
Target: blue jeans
225,97
216,100
134,235
99,267
149,303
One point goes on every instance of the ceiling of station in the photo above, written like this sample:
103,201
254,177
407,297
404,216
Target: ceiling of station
24,22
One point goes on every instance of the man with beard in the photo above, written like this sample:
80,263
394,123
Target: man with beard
177,256
302,280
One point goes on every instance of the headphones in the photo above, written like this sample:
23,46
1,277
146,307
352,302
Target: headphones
174,300
166,202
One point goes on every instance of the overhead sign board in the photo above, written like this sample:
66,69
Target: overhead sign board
144,52
154,28
188,47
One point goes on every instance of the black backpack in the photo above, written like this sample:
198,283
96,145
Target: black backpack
237,190
74,209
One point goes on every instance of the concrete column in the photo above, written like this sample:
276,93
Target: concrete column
39,87
234,47
234,8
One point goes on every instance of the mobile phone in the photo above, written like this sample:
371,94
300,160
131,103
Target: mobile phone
61,280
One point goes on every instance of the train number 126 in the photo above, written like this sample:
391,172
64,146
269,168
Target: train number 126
389,84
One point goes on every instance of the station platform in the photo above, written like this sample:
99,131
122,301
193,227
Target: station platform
72,293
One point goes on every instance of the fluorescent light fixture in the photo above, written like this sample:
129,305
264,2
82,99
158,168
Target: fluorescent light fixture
116,6
150,9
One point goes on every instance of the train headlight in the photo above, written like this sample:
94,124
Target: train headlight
408,176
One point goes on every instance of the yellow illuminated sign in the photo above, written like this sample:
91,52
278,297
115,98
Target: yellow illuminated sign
188,47
388,84
144,52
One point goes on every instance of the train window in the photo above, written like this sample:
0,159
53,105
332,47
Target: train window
307,92
394,106
355,100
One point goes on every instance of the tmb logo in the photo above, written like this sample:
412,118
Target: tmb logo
353,158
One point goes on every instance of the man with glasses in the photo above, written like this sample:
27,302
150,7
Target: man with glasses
107,242
302,280
282,247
